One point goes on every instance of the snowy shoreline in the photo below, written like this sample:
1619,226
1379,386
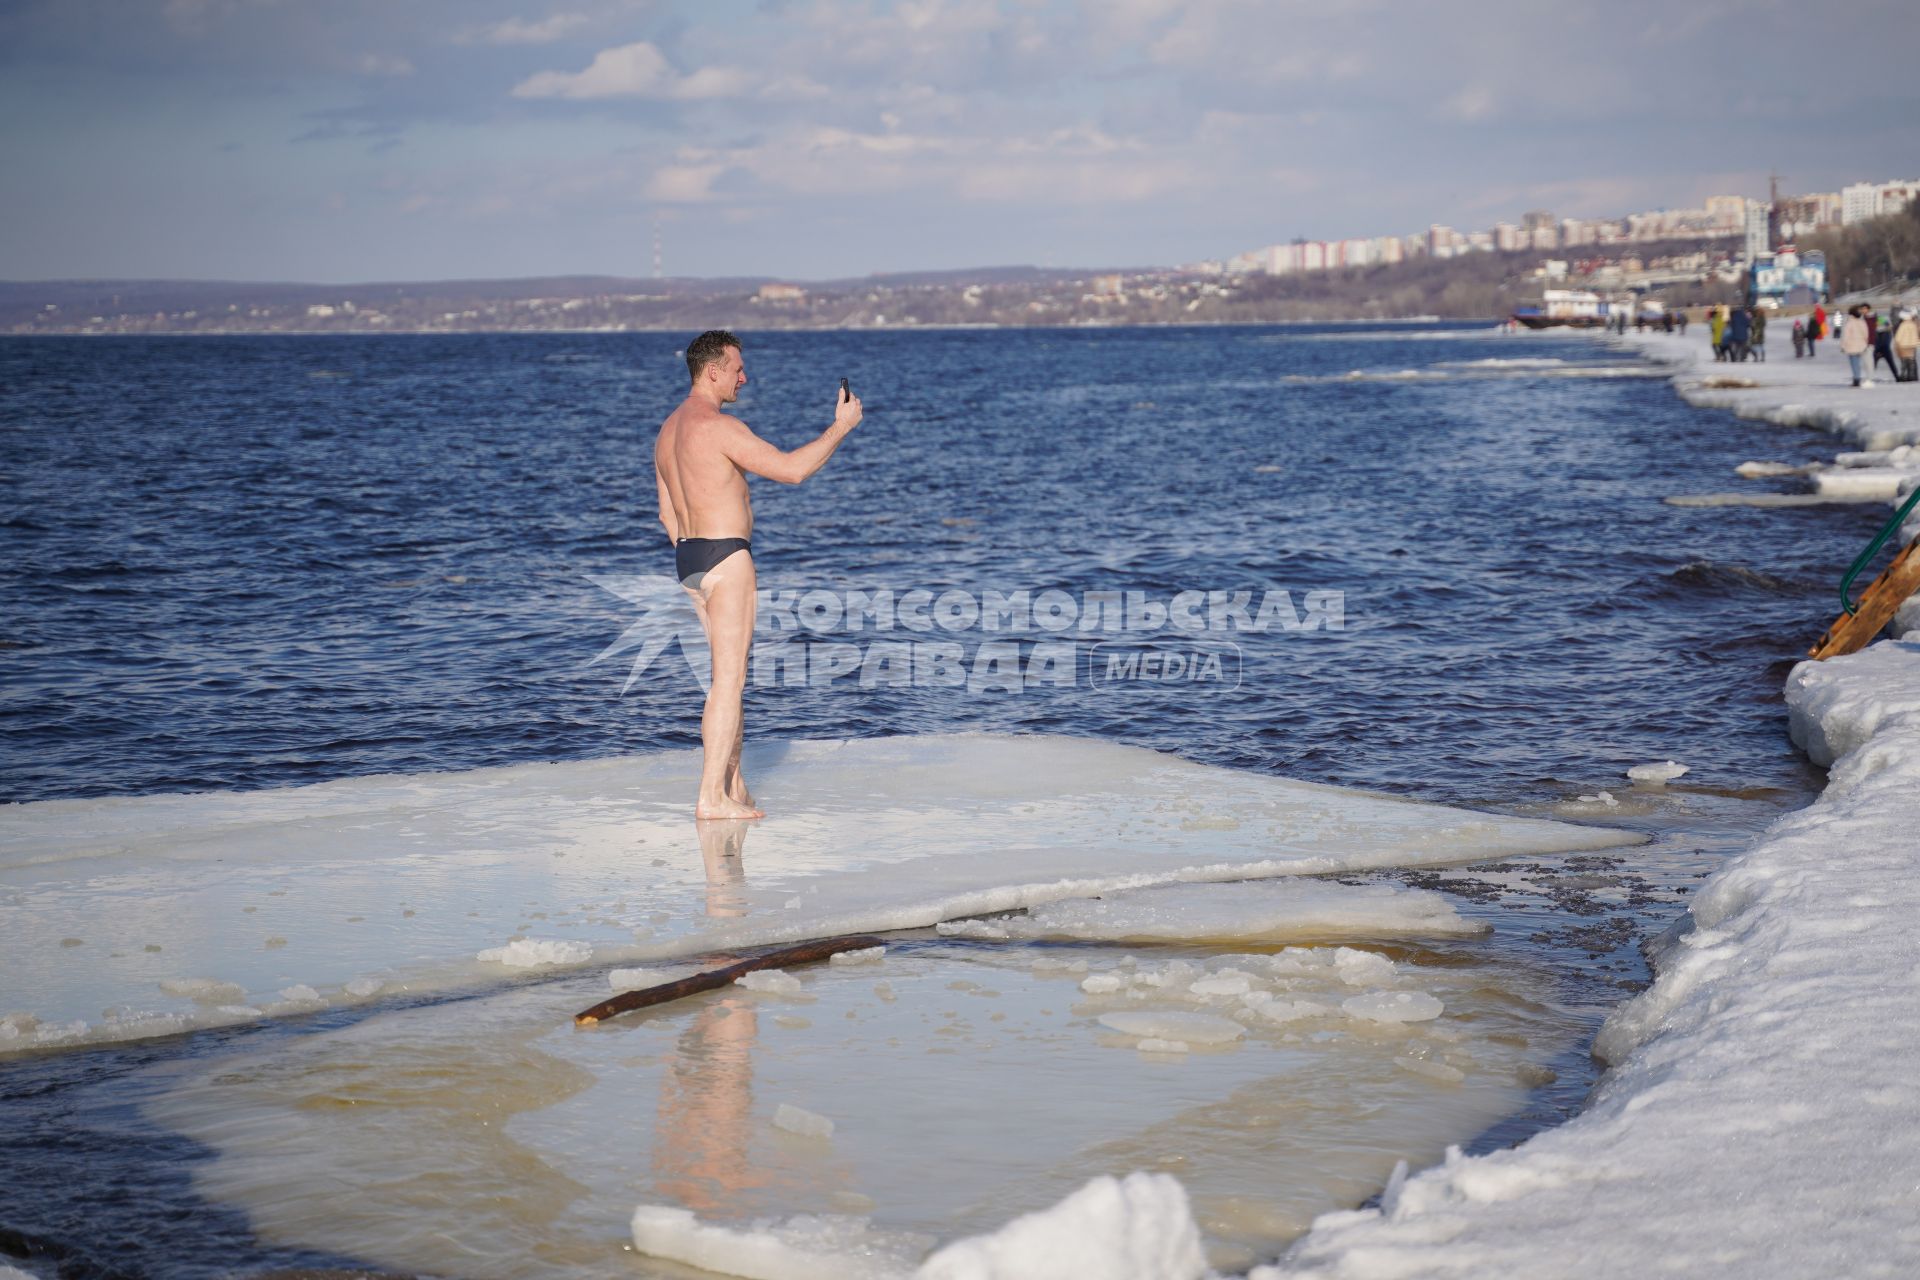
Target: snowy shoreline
1759,1114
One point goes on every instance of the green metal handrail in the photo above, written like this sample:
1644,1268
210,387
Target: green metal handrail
1873,549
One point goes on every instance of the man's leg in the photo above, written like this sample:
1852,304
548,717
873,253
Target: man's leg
728,602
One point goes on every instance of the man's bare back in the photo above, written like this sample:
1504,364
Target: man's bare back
701,461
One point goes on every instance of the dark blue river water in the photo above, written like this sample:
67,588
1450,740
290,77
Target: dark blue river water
245,562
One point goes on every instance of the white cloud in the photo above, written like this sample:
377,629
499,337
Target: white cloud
515,31
637,70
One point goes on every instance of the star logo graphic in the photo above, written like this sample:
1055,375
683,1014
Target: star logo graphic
666,615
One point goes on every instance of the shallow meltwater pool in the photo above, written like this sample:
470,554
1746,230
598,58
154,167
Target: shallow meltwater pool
964,1083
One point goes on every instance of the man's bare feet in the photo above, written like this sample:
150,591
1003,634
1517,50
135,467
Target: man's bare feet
725,807
738,793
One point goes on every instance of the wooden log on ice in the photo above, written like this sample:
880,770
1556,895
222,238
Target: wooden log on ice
711,979
1852,632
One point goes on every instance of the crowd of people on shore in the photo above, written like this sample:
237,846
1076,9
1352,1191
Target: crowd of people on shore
1739,334
1867,338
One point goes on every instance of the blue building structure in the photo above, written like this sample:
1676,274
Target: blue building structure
1788,277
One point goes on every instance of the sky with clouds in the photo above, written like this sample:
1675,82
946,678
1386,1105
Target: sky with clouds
342,140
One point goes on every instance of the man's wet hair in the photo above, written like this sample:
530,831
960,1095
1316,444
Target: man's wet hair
705,349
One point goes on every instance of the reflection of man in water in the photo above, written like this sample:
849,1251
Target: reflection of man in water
706,1096
722,845
700,463
702,1129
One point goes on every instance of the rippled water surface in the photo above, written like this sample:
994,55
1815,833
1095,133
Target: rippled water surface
242,562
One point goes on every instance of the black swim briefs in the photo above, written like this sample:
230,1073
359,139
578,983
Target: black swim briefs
695,556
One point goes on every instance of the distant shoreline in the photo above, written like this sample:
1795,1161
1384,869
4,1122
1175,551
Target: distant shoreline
861,328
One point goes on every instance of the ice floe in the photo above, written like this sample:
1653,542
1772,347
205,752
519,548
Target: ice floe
401,884
1272,910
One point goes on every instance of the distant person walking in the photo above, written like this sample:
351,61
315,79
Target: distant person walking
1739,334
1717,332
1853,345
1759,339
1799,339
1906,343
1683,322
1816,329
1883,351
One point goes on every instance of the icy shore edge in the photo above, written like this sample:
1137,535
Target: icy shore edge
1760,1115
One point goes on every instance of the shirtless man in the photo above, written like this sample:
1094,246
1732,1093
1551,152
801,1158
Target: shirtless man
700,462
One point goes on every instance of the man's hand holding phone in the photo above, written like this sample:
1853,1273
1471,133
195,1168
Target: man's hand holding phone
846,414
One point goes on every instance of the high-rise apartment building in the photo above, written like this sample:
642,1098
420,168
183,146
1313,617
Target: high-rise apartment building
1756,231
1865,200
1727,212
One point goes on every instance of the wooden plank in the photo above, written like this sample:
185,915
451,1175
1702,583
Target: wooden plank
712,979
1852,632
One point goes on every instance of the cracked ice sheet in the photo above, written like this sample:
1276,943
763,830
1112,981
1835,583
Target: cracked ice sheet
1760,1117
363,888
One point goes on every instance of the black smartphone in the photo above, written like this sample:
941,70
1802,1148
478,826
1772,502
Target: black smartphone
846,393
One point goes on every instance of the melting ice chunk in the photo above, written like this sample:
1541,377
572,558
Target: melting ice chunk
773,982
1194,1028
1393,1006
801,1121
807,1247
1666,771
1362,968
1271,1010
529,953
866,955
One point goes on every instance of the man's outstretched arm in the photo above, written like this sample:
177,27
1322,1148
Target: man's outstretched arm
750,453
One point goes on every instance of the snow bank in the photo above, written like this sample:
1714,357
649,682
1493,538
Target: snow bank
1800,393
372,887
1760,1116
1835,708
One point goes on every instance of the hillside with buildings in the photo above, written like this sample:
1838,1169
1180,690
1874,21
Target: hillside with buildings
1711,254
